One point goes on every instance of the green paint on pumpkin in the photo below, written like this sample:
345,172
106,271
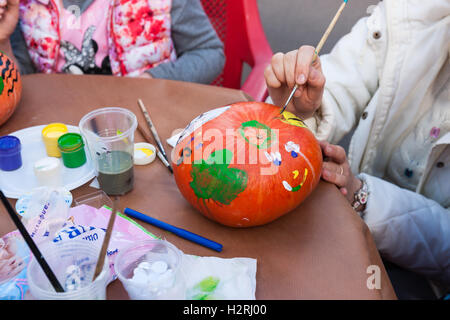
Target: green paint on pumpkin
2,85
213,179
257,125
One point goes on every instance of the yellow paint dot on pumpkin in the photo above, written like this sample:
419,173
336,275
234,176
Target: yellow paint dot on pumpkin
295,172
290,118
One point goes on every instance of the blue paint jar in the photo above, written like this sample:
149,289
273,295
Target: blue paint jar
10,156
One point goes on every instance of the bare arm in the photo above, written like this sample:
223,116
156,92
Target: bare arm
200,53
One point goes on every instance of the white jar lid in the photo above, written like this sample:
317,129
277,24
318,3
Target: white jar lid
144,153
46,165
48,171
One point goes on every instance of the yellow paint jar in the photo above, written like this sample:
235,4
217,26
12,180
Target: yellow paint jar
50,135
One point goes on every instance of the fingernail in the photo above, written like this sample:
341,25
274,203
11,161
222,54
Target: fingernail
328,149
301,79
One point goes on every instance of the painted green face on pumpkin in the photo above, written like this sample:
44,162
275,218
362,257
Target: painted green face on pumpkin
257,134
213,179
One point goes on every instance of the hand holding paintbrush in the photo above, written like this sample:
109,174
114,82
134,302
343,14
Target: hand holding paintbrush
298,74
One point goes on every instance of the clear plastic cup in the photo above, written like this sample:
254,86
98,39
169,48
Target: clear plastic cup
109,133
63,258
169,285
96,199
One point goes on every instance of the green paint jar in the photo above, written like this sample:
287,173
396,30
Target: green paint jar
71,146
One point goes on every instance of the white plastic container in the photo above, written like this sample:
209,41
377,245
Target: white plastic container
48,172
169,284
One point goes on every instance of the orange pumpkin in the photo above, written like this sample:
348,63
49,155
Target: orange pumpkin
10,87
246,164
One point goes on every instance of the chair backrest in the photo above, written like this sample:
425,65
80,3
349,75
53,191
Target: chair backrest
216,10
238,25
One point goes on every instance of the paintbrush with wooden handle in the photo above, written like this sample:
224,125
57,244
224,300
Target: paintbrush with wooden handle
318,48
109,230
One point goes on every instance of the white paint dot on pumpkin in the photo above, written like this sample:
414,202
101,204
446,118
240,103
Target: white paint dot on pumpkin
287,186
292,146
277,156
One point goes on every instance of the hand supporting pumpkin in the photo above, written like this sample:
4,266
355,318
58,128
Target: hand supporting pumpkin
296,67
9,16
336,169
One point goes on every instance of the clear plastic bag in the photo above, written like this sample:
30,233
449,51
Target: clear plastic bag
46,213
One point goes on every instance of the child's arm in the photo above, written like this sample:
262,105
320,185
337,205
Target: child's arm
199,50
409,229
351,81
20,50
351,70
11,39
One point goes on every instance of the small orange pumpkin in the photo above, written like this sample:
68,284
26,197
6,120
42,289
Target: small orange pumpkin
10,87
246,164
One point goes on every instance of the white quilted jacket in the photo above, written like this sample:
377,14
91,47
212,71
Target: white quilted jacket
389,80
